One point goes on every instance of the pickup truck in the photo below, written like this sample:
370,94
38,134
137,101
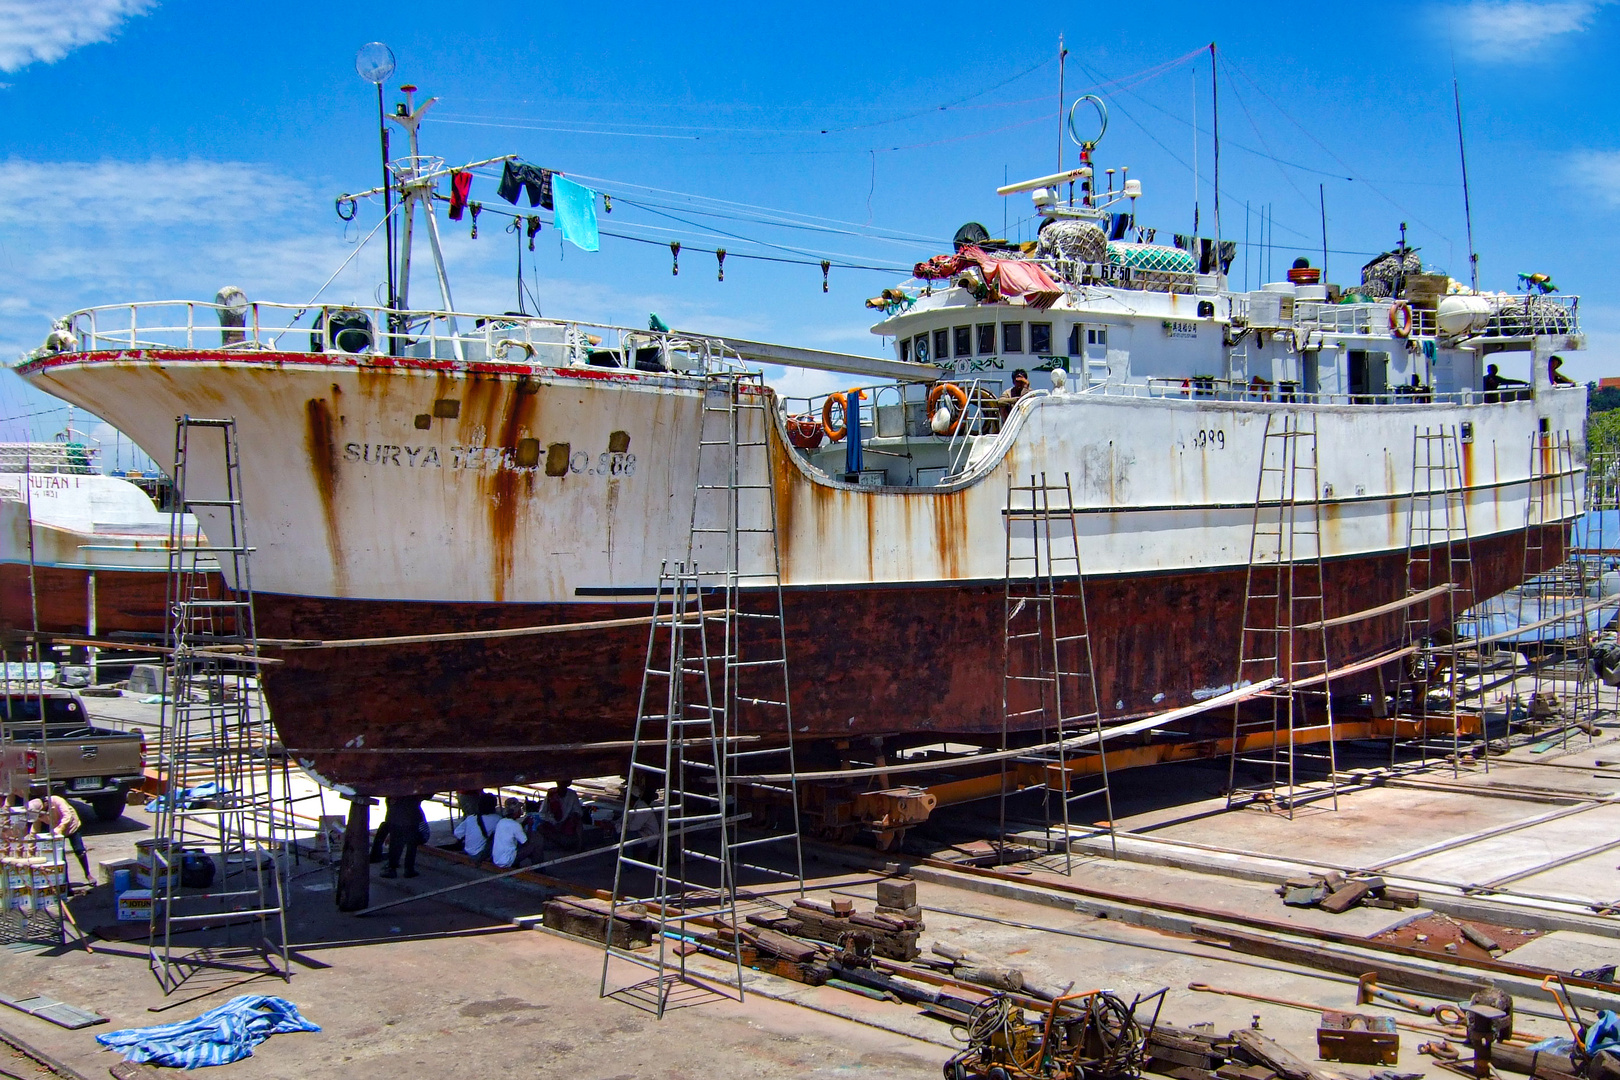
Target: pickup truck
67,753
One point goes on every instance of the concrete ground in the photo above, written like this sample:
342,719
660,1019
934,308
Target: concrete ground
449,987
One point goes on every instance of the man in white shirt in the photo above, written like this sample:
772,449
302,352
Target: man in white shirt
477,830
509,836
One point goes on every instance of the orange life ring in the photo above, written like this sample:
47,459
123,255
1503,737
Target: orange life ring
1400,318
835,434
961,404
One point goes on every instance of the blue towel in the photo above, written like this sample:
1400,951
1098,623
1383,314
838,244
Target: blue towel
575,213
217,1037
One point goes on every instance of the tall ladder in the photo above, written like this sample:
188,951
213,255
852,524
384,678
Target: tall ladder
1550,510
1438,552
1284,634
1048,678
214,730
1600,541
714,726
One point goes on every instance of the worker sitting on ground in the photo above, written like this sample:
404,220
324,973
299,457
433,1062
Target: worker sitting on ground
562,816
509,836
477,830
641,825
406,826
58,816
1554,373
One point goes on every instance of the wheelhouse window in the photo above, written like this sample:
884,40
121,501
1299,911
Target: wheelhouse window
964,340
1074,340
905,350
919,348
987,339
942,344
1097,335
1012,337
1040,338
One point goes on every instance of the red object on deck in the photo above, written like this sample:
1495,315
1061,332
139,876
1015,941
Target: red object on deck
1305,275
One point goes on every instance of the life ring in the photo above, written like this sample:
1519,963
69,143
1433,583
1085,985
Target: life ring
842,400
961,404
1400,318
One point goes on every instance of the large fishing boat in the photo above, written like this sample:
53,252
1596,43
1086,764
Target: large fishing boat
422,471
81,551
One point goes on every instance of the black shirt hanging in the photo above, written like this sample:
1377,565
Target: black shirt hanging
516,177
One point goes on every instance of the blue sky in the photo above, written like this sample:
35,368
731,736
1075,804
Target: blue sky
164,148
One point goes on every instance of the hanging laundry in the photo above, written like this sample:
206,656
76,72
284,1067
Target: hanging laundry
533,227
460,188
576,213
517,177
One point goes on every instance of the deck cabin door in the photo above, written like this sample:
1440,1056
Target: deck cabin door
1096,359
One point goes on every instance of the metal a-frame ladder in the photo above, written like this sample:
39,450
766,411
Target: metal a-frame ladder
715,704
1438,552
1048,677
1552,507
1284,632
220,802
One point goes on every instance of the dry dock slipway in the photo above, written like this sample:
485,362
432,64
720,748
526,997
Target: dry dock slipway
867,684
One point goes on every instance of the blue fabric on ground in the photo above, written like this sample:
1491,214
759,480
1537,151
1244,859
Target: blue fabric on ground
189,797
575,213
1604,1034
1556,1044
217,1037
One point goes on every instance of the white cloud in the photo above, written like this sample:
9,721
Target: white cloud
1515,29
44,31
1598,172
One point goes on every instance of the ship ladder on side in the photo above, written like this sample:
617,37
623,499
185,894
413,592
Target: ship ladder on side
1048,678
225,809
1284,629
1559,697
1438,553
715,705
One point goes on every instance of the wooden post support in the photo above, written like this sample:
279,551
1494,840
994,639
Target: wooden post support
354,866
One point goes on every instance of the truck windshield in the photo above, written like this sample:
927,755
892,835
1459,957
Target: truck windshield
58,710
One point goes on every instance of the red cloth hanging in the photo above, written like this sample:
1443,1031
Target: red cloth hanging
1015,279
460,188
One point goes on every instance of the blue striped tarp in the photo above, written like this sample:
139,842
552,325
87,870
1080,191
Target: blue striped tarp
217,1037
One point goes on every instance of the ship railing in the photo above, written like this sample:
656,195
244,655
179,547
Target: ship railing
1531,315
1259,391
1361,319
373,334
1075,276
56,457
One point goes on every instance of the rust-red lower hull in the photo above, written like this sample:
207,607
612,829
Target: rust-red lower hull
127,601
864,661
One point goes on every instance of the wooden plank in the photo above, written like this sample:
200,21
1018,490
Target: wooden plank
53,1011
1262,1051
1382,609
1343,899
1448,987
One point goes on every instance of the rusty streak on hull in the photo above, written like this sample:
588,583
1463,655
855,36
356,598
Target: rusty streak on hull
920,661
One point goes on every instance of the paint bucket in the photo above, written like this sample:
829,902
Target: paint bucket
121,882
